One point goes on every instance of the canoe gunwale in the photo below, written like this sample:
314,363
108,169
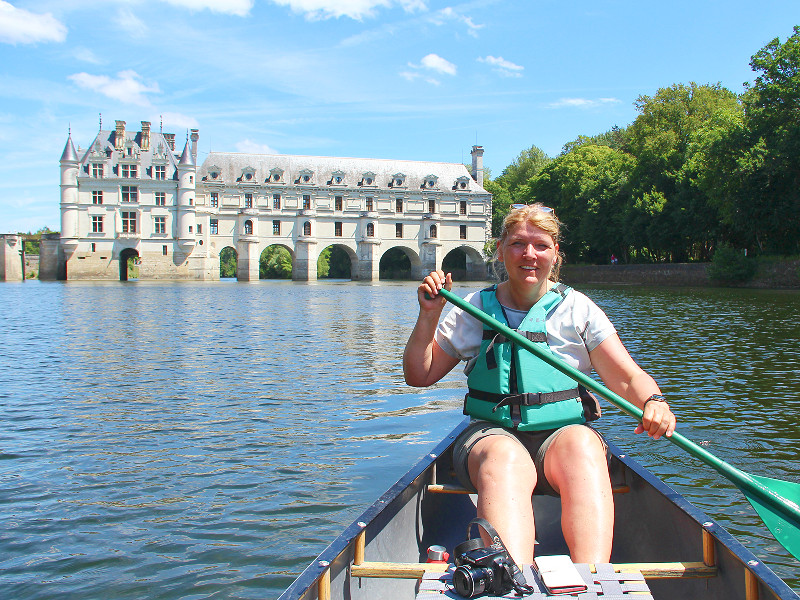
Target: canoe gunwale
339,554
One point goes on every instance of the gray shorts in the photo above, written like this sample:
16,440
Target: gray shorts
535,442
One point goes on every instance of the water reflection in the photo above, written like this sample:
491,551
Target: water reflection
178,440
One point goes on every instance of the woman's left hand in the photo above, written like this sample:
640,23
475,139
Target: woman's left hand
657,420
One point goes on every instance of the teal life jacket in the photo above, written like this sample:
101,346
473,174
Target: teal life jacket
512,387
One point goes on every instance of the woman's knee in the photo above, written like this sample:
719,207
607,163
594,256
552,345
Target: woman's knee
501,460
578,444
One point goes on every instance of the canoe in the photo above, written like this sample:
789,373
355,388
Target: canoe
682,553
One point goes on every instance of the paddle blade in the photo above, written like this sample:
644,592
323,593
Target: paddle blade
785,530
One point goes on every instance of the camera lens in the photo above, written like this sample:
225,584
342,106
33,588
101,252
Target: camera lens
472,581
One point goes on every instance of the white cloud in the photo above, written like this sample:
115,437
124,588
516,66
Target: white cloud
434,62
354,9
127,87
239,8
176,121
131,23
248,146
86,55
19,26
449,14
583,102
412,75
505,67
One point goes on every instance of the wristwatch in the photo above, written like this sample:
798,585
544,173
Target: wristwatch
654,398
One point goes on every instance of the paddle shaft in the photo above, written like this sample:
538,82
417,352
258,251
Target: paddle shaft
743,481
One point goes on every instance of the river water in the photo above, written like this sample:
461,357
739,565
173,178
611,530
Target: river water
164,440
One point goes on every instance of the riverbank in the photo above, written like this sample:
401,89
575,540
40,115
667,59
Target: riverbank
770,275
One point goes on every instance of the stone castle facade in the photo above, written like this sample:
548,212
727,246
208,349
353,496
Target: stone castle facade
130,194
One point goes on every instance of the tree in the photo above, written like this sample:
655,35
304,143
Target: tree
275,262
526,166
589,189
671,213
227,262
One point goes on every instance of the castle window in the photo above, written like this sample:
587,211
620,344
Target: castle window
130,193
213,226
129,222
97,170
161,172
214,199
97,224
129,171
398,230
97,197
462,232
462,207
160,224
164,250
199,228
370,229
276,228
307,228
248,200
94,247
276,201
337,229
398,205
214,174
431,206
248,227
191,178
370,204
306,202
161,198
337,203
190,229
433,232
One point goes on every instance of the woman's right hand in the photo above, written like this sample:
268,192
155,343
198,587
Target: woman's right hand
428,291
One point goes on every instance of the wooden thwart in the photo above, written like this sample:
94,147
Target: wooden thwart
665,570
444,488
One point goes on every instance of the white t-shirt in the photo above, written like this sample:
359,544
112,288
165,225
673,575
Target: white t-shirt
575,328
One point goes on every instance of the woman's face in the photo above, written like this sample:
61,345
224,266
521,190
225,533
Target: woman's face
528,254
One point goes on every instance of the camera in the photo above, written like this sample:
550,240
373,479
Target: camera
481,571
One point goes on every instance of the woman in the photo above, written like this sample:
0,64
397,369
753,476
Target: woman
528,430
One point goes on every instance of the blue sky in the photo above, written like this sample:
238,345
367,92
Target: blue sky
405,79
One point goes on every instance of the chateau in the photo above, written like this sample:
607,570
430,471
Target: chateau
130,194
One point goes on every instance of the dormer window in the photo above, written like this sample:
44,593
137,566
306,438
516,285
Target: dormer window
367,178
248,175
430,181
275,175
306,176
337,178
462,183
214,173
398,180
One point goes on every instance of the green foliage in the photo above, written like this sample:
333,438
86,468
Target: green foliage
227,262
730,265
334,263
395,264
275,262
518,173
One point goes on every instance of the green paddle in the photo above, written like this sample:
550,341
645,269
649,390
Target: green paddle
775,501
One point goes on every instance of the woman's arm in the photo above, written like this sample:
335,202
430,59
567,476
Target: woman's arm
424,361
623,376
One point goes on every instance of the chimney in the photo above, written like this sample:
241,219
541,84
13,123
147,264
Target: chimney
170,137
119,138
145,144
477,164
195,137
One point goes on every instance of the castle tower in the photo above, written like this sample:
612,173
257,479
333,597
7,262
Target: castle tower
69,197
477,164
187,212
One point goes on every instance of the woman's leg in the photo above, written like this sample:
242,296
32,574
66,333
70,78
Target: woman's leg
502,471
576,466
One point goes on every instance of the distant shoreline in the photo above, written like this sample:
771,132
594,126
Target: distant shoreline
771,275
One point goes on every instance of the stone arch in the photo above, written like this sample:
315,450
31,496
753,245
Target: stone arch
125,256
391,268
466,263
340,251
228,259
272,262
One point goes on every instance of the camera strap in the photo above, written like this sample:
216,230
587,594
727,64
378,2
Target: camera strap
516,575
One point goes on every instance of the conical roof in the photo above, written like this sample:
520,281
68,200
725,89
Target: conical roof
69,154
186,158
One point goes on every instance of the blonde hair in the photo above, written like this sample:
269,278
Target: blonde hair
539,216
